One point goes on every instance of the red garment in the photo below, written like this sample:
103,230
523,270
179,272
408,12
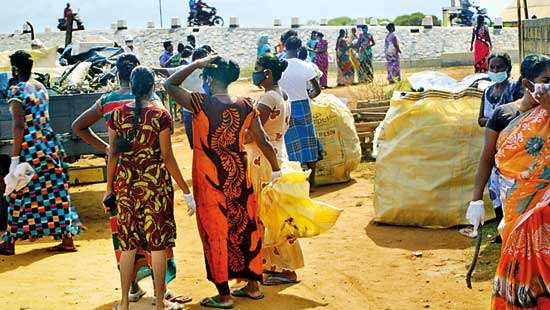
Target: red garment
481,50
68,13
321,60
227,213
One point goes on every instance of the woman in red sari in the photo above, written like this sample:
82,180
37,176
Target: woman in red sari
227,214
522,280
481,45
321,58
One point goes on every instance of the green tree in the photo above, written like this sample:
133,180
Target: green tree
414,19
341,21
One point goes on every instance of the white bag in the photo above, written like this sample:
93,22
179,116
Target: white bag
17,181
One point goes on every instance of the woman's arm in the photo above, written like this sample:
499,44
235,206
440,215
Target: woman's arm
396,44
316,88
482,120
111,163
472,42
489,38
371,41
18,125
81,127
259,136
264,111
486,163
170,160
172,84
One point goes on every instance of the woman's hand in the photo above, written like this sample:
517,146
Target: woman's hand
191,204
544,99
109,193
204,62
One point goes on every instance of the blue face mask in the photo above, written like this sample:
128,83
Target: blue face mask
498,77
258,77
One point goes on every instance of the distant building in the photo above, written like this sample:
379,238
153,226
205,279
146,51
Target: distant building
538,8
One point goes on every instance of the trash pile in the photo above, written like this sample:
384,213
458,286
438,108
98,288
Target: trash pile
92,71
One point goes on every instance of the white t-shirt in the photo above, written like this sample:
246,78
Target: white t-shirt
295,79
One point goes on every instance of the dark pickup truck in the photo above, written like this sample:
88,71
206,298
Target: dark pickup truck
63,111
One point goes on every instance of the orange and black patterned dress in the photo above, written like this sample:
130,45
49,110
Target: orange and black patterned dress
144,192
226,205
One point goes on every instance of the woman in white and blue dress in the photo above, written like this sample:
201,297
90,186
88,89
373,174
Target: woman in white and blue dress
503,91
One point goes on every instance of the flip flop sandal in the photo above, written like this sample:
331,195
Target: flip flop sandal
278,280
241,293
174,306
61,249
135,297
210,302
180,299
5,252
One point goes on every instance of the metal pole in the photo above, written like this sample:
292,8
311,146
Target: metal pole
160,12
520,30
526,9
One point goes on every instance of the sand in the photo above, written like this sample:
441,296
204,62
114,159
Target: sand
357,265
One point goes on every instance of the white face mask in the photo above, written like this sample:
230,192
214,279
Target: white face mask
539,89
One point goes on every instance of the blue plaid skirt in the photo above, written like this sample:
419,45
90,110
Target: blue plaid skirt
301,140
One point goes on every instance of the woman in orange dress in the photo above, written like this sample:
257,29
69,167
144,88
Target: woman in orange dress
227,213
522,280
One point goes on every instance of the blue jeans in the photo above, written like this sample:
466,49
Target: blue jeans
188,124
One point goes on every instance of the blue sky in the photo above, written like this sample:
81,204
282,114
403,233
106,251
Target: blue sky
101,13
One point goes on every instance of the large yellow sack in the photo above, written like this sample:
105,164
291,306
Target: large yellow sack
335,127
44,61
288,213
429,148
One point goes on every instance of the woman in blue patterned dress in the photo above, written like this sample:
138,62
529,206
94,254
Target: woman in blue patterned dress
43,207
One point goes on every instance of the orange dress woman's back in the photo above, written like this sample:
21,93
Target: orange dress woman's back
226,205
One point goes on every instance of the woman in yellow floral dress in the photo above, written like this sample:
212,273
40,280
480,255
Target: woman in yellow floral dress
280,262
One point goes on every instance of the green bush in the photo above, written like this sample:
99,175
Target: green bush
341,21
414,19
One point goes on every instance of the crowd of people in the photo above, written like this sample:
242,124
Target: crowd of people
239,146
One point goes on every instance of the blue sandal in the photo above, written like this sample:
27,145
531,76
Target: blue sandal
241,293
210,302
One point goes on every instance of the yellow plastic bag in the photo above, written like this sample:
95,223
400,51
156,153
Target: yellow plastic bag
429,149
288,213
335,127
44,61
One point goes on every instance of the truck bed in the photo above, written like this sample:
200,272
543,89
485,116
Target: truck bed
63,111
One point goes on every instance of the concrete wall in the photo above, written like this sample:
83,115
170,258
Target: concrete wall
536,36
427,48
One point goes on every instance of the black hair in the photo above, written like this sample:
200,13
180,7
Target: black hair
22,61
191,38
276,65
533,66
125,64
504,57
314,32
207,48
199,53
390,26
167,44
187,51
181,47
320,34
293,43
302,53
223,70
142,79
341,33
289,34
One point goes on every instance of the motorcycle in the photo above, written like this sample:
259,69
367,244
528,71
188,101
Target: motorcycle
79,24
467,17
206,17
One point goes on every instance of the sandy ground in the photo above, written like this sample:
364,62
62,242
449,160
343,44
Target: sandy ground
357,265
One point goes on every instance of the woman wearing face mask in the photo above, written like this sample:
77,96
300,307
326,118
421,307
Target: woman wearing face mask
522,133
280,262
227,212
502,92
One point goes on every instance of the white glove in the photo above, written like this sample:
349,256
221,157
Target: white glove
476,213
275,175
13,164
19,178
191,205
